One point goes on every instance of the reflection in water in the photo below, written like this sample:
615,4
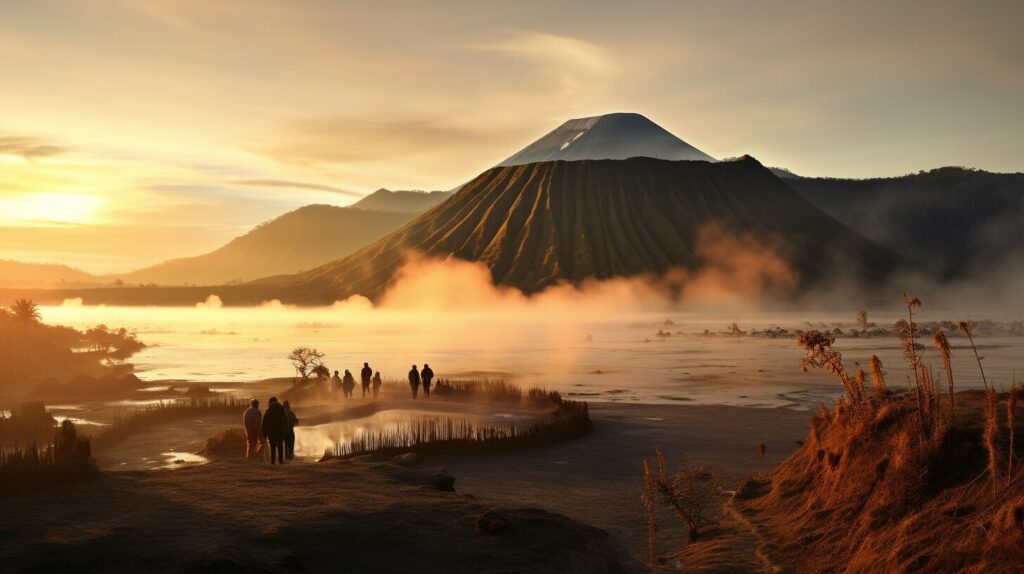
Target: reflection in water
313,441
77,421
175,459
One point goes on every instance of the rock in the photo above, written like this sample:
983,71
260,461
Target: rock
492,522
408,458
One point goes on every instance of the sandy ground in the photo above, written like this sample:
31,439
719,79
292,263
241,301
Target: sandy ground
241,516
369,515
597,479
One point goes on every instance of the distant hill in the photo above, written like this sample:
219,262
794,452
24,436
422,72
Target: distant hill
611,136
401,201
961,220
298,240
537,224
14,274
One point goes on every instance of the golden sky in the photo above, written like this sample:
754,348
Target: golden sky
132,132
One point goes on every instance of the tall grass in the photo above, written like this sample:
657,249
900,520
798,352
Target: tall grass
458,435
942,344
649,497
130,420
36,465
991,433
966,330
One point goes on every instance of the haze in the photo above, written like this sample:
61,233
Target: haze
136,131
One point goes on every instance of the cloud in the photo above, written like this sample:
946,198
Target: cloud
359,139
29,147
553,51
295,185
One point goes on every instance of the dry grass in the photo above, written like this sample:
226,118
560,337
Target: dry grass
128,421
67,458
691,492
458,435
892,485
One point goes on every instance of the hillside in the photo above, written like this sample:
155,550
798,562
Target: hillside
15,274
297,240
539,224
958,219
401,201
611,136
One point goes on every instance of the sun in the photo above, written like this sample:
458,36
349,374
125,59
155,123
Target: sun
42,209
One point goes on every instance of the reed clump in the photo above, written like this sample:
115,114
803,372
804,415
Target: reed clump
130,420
456,435
66,459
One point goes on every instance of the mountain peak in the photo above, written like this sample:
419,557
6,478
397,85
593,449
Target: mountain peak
620,135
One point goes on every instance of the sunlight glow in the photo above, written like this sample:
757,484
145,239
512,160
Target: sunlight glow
45,209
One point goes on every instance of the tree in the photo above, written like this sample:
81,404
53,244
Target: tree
322,372
25,311
862,318
305,360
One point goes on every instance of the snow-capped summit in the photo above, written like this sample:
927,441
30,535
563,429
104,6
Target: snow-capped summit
611,136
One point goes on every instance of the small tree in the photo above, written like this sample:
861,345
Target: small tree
692,492
305,360
25,311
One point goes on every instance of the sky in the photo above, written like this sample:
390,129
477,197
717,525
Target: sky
132,132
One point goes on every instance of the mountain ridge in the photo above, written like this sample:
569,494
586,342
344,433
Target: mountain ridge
535,225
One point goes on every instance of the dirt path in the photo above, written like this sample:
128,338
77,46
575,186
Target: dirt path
597,479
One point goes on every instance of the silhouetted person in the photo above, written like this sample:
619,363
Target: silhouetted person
251,423
376,384
348,384
428,376
365,375
273,429
335,383
414,381
290,421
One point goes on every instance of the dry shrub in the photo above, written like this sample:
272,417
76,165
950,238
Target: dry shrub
230,443
692,492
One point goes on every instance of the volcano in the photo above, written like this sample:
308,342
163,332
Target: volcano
611,136
539,224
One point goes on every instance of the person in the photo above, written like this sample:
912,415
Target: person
335,383
251,422
348,383
427,375
376,384
273,430
290,422
414,381
365,376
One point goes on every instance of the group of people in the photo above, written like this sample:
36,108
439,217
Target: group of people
371,381
418,378
347,384
275,428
